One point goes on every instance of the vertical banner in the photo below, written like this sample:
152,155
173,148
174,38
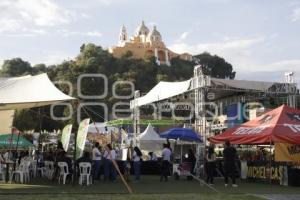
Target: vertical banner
81,137
287,152
65,137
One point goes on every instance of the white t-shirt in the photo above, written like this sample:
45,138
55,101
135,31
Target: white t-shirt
154,157
135,157
96,154
166,154
112,155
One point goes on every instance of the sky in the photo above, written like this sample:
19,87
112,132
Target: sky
260,38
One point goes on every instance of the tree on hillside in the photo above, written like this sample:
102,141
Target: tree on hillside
215,66
39,68
93,59
15,67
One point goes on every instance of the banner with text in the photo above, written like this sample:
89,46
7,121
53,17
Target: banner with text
81,137
287,152
65,137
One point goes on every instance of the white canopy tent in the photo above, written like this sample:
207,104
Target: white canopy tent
29,91
149,140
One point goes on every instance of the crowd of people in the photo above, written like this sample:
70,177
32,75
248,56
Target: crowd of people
104,165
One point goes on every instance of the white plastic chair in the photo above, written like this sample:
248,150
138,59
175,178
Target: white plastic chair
85,169
33,168
26,170
21,174
49,169
63,172
40,171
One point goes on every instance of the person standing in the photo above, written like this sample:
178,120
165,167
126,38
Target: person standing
191,159
109,169
96,157
166,159
210,165
136,156
230,155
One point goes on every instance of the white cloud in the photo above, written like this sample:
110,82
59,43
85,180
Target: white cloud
228,44
152,24
285,65
104,2
295,15
51,58
85,16
67,33
17,14
184,35
23,32
94,34
239,52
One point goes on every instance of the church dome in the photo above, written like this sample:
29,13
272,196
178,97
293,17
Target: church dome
142,29
154,35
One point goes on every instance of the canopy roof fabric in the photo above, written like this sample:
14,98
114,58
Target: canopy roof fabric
11,140
279,125
29,91
149,140
164,90
184,134
243,84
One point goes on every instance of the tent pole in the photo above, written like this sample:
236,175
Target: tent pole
10,146
181,151
270,159
18,142
40,127
75,144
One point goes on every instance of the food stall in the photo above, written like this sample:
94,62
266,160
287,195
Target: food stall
279,129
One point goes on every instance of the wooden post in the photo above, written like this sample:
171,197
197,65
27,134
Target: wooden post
121,175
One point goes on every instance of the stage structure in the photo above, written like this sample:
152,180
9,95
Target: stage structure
210,97
205,95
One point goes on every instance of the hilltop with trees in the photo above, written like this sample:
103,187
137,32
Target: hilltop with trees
144,74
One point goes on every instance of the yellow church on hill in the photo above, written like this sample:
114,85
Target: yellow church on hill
145,44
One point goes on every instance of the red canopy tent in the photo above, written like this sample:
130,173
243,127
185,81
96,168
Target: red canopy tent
281,125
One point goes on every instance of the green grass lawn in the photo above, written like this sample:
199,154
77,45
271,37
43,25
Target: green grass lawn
129,197
148,188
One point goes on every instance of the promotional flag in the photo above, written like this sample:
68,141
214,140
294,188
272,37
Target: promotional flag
287,152
65,137
81,137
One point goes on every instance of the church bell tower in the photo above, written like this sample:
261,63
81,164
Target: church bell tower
122,36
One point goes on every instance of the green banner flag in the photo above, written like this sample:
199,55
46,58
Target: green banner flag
81,137
65,137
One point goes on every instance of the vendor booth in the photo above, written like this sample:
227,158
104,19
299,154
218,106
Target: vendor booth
281,127
183,136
